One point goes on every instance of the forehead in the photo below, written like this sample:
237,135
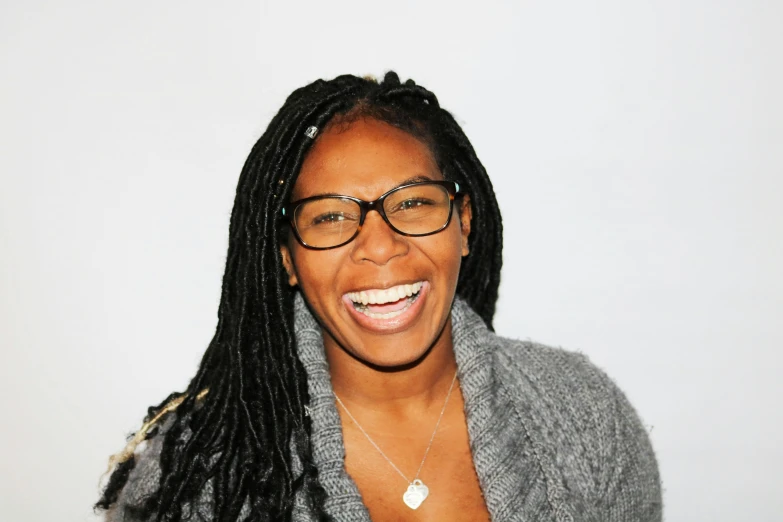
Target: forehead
363,159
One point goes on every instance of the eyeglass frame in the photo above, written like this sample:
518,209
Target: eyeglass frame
289,211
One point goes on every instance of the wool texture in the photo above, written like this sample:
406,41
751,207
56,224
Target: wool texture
553,439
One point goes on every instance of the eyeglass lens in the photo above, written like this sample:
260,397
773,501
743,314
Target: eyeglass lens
414,210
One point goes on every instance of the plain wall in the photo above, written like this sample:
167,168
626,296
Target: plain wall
635,149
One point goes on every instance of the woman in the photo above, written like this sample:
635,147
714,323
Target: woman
354,374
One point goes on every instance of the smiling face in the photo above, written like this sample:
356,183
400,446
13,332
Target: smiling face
384,298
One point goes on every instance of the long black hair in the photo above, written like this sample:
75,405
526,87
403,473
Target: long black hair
242,432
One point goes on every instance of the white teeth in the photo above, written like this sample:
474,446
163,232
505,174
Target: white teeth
388,295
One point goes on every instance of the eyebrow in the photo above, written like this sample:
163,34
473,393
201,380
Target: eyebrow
413,179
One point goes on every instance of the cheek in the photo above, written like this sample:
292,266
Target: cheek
445,250
316,269
455,239
320,274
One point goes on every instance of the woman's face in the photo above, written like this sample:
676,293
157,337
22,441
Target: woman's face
365,160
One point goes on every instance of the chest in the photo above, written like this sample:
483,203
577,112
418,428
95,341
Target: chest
448,473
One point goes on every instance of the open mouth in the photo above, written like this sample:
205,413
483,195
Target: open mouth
387,303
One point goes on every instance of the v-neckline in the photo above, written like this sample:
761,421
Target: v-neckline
487,406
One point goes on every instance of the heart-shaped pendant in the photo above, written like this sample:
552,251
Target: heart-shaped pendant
416,493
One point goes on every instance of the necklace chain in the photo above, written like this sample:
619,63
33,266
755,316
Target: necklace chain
442,411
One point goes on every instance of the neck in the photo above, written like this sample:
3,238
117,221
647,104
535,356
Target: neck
418,387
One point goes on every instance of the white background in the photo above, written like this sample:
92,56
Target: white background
636,150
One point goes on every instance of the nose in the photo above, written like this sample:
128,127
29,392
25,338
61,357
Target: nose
377,242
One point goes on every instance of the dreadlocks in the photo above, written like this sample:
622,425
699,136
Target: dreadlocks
243,414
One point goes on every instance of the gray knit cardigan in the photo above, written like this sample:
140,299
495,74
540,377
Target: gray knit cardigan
552,437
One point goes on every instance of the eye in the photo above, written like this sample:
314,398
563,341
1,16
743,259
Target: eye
412,204
328,218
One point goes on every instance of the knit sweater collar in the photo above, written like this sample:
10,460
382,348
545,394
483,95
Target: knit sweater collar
482,408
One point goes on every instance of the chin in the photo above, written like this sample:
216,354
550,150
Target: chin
394,352
386,362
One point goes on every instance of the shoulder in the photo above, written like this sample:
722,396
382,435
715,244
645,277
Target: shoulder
583,427
552,372
560,391
553,381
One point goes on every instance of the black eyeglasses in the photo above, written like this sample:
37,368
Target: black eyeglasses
416,209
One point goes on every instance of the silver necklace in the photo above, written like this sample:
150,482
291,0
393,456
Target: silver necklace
417,491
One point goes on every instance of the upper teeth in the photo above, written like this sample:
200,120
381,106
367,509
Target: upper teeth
388,295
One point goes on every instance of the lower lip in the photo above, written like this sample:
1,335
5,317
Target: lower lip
394,324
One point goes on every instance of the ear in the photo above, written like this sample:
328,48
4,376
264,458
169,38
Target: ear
288,263
465,219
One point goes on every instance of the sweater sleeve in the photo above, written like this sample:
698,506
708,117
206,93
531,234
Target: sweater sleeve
628,484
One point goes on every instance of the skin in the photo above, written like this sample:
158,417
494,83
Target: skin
393,379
